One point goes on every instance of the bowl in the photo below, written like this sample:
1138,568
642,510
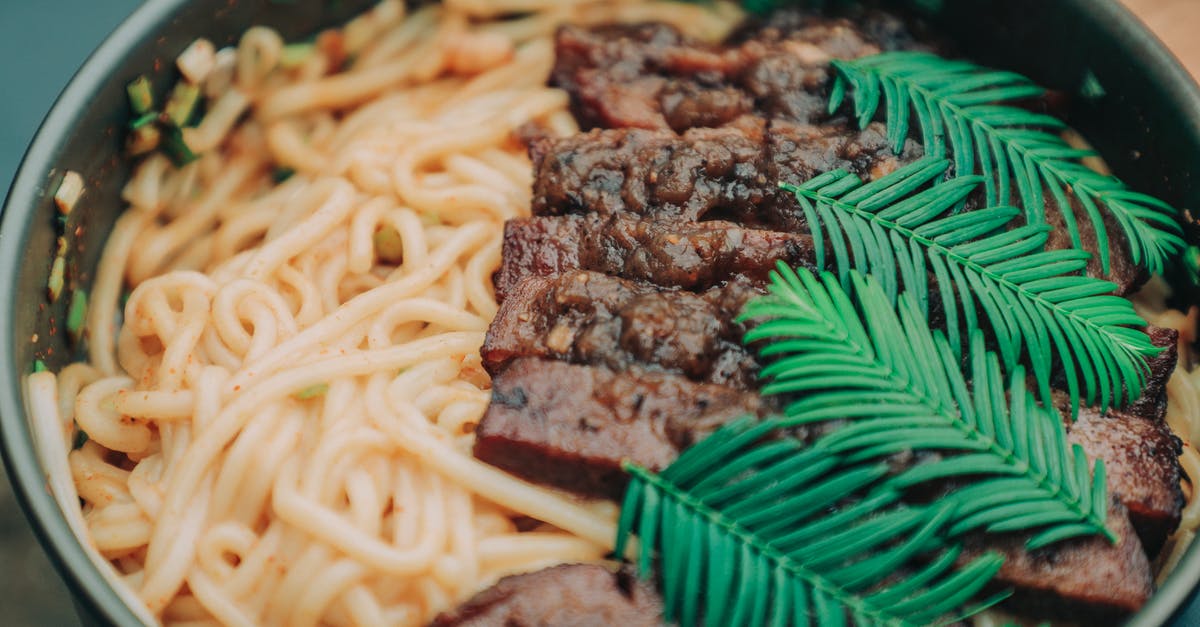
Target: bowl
1144,119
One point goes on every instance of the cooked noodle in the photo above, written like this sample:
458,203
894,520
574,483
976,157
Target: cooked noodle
280,429
280,424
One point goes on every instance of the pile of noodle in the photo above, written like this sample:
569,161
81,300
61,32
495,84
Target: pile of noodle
280,421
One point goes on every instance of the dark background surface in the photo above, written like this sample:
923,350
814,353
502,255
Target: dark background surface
42,43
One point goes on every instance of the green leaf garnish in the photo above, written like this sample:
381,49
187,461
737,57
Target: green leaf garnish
965,110
1037,303
77,314
744,523
902,387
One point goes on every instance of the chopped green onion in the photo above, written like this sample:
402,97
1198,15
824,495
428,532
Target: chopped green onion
311,391
81,438
69,191
144,119
55,285
175,148
143,140
196,61
293,55
388,244
60,248
182,103
282,174
141,100
77,314
39,365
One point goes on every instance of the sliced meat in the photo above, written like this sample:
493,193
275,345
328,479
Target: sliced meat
1089,581
1141,459
570,426
650,76
688,255
586,595
1152,404
731,173
592,318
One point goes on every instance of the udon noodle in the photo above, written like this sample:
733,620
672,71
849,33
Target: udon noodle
280,419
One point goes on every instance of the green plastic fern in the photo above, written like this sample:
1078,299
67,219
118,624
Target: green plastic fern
742,522
1037,303
900,383
965,110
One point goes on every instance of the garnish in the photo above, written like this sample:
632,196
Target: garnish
77,314
903,389
141,98
58,270
965,110
39,365
743,522
1036,302
311,391
388,244
182,104
68,192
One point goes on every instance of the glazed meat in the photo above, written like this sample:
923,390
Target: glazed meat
575,435
649,76
1087,580
731,173
689,255
592,318
584,595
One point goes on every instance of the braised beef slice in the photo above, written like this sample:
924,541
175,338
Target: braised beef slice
1152,405
570,426
650,76
583,595
1141,460
1085,580
731,173
688,255
592,318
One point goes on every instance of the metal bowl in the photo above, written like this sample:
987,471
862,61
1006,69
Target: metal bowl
1146,125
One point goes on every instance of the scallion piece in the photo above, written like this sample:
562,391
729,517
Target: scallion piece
143,140
58,269
141,99
81,438
77,314
60,247
68,192
311,391
282,174
182,103
388,244
143,120
39,365
175,147
293,55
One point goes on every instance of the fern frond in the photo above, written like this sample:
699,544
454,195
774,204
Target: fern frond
904,390
1037,303
744,522
965,110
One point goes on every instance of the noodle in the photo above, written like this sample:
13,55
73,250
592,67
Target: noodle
281,421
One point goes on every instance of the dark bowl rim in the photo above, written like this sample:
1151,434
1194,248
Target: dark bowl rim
90,587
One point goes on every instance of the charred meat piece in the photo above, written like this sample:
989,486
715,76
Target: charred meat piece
592,318
587,595
1153,403
1086,580
731,173
650,76
570,426
688,255
1141,459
